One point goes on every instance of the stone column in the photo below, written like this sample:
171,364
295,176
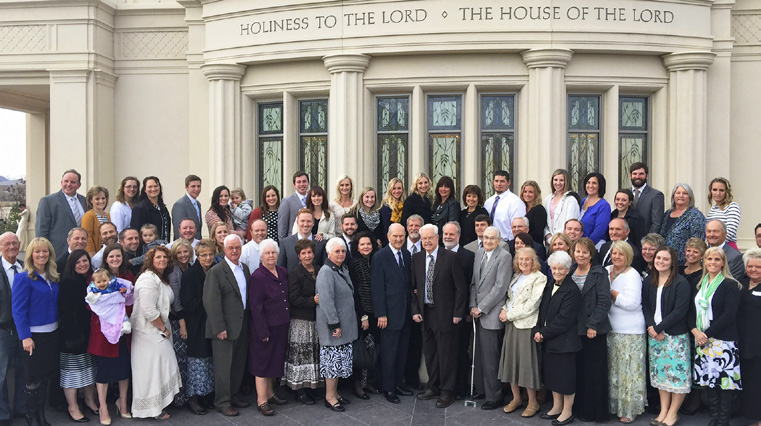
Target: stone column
225,160
348,152
687,120
546,111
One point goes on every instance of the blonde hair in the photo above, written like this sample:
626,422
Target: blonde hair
563,237
389,199
535,267
728,197
624,248
240,192
567,178
338,187
724,268
51,270
213,233
360,205
176,247
538,193
413,187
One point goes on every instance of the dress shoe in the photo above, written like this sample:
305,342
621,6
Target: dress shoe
512,406
402,391
655,422
82,419
428,395
266,410
371,389
343,401
335,407
548,416
229,411
557,422
491,405
239,403
276,400
303,397
444,401
478,396
391,397
361,395
530,411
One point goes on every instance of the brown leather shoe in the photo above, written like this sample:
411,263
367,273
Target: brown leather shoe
277,400
266,410
229,411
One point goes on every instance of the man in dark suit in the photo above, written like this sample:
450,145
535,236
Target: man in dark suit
348,228
390,279
188,206
59,212
10,346
618,230
75,240
411,246
521,225
439,302
224,298
288,258
648,201
716,236
290,206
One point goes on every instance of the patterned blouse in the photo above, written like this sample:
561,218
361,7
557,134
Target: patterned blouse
690,224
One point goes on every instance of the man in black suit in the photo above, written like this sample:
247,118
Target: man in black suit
716,236
390,279
59,212
348,228
10,346
411,246
75,240
288,258
648,201
521,225
439,303
224,298
618,230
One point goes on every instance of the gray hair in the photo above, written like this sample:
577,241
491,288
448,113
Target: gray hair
524,219
430,227
73,230
626,223
493,228
655,240
231,237
751,254
560,258
269,242
690,193
394,225
723,225
333,242
457,225
416,217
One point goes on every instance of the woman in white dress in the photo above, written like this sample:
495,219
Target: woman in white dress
155,374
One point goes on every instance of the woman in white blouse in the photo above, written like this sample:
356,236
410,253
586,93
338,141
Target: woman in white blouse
561,205
627,344
126,196
344,197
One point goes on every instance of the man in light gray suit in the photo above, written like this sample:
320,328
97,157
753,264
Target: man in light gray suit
290,206
288,258
648,201
188,206
59,212
716,236
492,271
225,292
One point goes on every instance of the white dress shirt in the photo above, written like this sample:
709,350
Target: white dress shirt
508,208
9,272
250,255
410,244
76,208
240,277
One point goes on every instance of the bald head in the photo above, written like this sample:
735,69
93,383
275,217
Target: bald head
396,236
9,246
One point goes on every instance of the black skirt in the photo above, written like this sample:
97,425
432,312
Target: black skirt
43,362
591,403
559,372
112,370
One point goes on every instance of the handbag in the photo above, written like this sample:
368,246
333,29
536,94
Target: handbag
365,352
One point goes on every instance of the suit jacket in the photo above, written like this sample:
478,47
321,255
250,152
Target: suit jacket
223,301
450,290
488,288
558,317
473,245
390,286
183,208
288,258
638,262
735,262
6,316
55,219
650,207
466,258
286,214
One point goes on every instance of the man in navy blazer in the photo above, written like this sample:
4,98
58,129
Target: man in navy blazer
648,201
390,285
188,206
57,213
290,206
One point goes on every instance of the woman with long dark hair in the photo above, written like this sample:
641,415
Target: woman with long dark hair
363,247
267,211
150,208
446,208
220,210
324,227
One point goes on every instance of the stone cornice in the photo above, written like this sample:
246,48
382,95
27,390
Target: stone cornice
547,58
682,61
223,71
346,63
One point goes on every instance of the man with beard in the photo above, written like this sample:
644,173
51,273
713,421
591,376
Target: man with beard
415,351
108,236
648,201
348,228
130,240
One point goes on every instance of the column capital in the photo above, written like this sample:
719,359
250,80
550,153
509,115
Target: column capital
346,63
223,71
682,61
547,58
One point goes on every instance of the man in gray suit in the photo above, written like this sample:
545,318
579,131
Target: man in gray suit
224,298
188,206
59,212
288,258
648,201
716,236
492,271
290,206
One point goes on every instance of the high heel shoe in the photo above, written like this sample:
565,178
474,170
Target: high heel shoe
119,410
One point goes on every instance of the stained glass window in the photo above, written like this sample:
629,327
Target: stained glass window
444,127
583,138
393,129
271,145
633,135
497,138
313,140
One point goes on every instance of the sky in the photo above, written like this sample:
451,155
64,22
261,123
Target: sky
12,143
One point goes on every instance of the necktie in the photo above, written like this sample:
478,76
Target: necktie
480,244
198,210
483,264
75,209
429,279
494,208
303,201
414,248
636,197
399,256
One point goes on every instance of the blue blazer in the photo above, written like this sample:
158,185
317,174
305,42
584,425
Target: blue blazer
390,286
34,303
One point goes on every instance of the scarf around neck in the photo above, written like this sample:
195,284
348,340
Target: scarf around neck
703,301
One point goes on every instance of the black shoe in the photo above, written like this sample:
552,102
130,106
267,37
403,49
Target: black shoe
82,419
239,403
445,401
428,395
478,396
337,407
371,389
402,391
548,416
303,397
362,395
343,401
557,422
491,405
391,397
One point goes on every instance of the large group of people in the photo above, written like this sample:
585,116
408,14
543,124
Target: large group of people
566,294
